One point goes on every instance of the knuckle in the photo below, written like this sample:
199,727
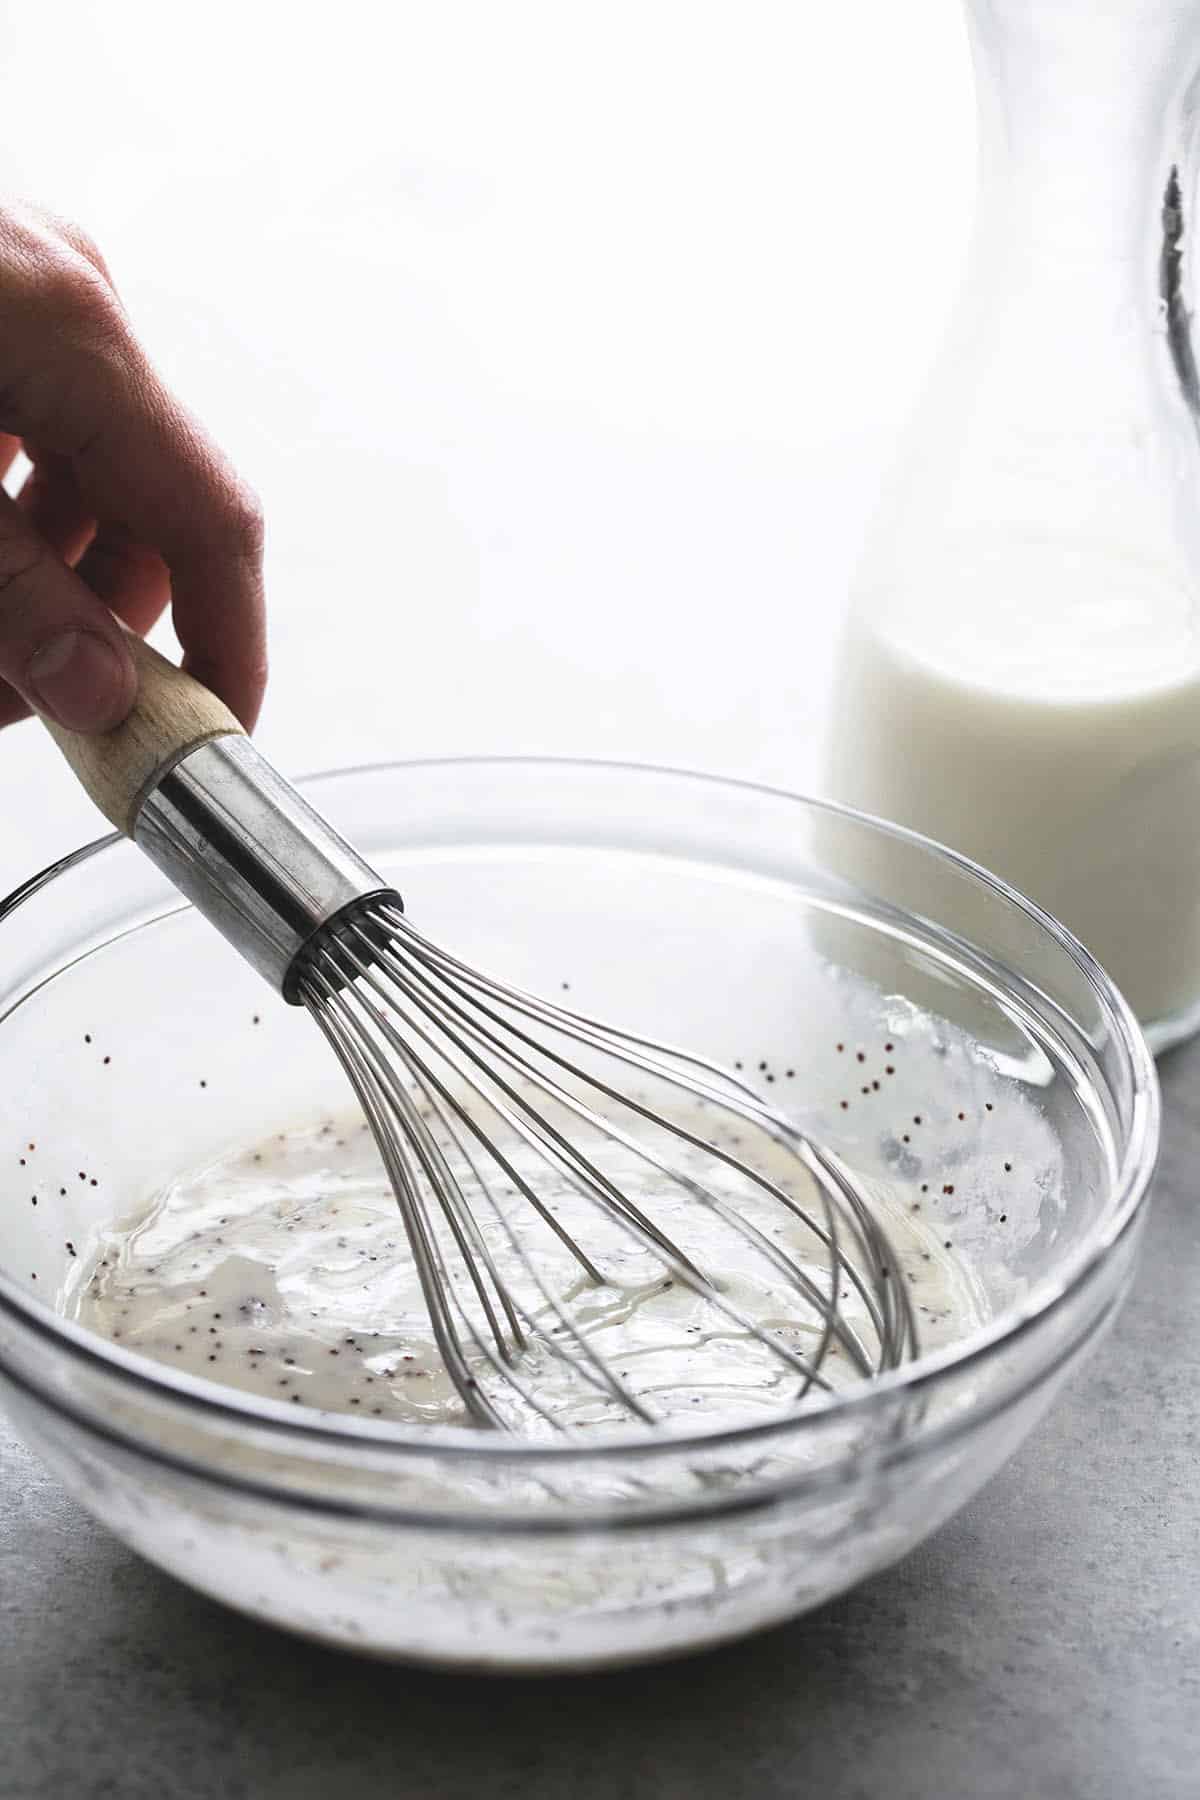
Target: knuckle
56,305
242,517
50,231
83,244
75,290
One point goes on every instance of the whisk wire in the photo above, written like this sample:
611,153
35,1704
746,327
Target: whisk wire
454,1206
827,1235
622,1208
732,1094
451,1071
431,1274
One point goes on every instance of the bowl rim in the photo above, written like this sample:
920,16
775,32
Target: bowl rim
1130,1189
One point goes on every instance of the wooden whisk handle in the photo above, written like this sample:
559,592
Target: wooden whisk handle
172,715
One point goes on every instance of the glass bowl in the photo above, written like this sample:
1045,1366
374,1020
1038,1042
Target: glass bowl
748,923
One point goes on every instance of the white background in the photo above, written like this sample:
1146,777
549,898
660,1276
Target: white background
565,342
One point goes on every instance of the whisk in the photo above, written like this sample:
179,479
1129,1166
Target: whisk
492,1107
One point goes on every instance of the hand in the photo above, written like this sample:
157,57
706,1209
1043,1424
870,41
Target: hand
128,505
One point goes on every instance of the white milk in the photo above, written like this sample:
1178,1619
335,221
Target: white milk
1049,730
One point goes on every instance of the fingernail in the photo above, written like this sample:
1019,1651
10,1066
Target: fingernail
79,680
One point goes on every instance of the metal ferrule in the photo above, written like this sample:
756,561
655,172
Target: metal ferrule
250,854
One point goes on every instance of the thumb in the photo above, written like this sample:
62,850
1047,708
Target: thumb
60,647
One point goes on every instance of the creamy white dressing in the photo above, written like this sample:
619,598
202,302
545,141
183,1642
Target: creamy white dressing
283,1270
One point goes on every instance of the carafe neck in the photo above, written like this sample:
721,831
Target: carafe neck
1082,107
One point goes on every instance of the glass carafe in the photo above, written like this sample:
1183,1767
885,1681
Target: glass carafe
1020,671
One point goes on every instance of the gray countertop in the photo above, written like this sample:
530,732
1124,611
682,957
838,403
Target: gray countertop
1046,1644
